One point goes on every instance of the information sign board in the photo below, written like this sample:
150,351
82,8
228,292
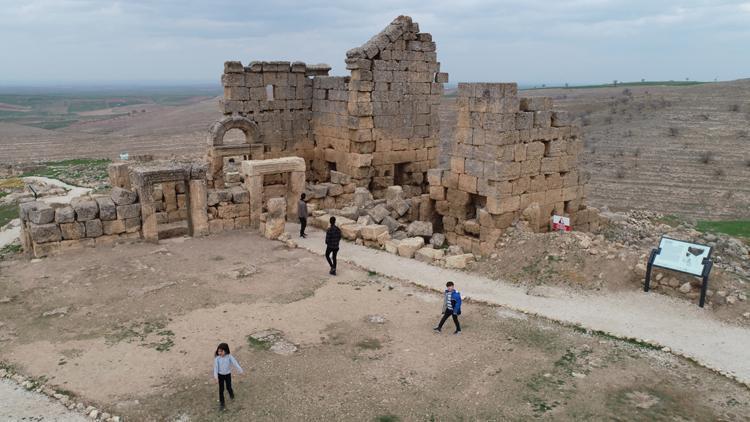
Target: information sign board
682,256
560,223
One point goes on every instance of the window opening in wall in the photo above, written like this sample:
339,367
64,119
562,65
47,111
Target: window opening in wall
269,92
400,176
331,167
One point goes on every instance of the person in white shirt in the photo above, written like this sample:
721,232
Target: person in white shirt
223,363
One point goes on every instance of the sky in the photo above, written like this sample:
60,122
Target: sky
528,41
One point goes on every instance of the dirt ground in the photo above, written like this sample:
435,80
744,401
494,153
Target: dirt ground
133,329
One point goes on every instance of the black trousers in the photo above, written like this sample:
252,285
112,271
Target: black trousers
331,256
225,379
302,225
449,312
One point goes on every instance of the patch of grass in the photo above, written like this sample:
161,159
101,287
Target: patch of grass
387,418
8,213
736,228
372,273
258,344
165,343
11,183
71,170
369,344
8,250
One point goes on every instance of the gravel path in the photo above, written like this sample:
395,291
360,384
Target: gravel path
683,327
19,404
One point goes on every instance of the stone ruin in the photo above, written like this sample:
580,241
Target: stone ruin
363,147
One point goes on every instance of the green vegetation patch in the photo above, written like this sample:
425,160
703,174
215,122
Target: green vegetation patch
258,344
8,213
670,220
73,171
737,228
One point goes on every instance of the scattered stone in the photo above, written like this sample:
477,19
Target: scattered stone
391,223
429,255
437,240
409,246
376,319
122,196
419,228
459,261
378,213
58,311
685,288
373,231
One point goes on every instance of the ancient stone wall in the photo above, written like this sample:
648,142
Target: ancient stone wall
513,158
278,97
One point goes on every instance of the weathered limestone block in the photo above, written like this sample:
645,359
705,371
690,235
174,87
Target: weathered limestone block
459,261
217,196
128,211
94,228
437,240
234,210
111,227
391,223
65,214
46,249
351,231
86,209
107,209
334,189
429,255
273,228
373,231
378,213
340,178
72,231
391,246
42,214
318,191
536,103
276,207
392,194
409,246
122,196
419,228
118,175
400,206
199,207
44,233
561,118
240,195
362,196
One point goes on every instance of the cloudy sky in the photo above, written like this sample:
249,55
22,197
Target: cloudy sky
529,41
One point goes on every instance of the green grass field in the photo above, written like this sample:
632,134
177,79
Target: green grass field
736,228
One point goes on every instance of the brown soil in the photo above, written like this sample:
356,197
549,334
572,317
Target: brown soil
141,322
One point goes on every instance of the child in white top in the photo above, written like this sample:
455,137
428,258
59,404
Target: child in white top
223,363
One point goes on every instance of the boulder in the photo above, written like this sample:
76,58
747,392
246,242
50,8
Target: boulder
340,178
351,213
400,235
373,231
65,214
276,208
216,196
318,191
393,193
343,221
44,233
365,220
378,213
459,261
419,228
122,196
25,208
351,231
429,255
409,246
437,240
334,189
107,209
455,250
85,208
42,214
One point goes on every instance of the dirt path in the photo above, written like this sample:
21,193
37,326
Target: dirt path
18,404
683,327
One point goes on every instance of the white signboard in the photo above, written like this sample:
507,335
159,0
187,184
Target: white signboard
124,155
682,256
560,223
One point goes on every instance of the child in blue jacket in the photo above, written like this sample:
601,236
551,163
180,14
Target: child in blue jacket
451,307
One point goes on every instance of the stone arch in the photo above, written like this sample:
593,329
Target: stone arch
217,131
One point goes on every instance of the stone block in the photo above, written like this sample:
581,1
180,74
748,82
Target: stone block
46,249
216,196
72,231
122,196
437,240
391,246
240,195
86,209
429,255
372,232
132,225
276,208
459,261
112,227
65,214
45,233
107,209
536,103
42,214
128,211
94,228
409,246
419,228
351,231
391,223
561,118
378,213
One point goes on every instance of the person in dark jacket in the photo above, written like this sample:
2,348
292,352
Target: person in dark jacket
451,307
333,237
302,214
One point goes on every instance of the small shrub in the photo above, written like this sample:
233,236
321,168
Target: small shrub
719,172
734,108
620,173
703,117
673,131
707,157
